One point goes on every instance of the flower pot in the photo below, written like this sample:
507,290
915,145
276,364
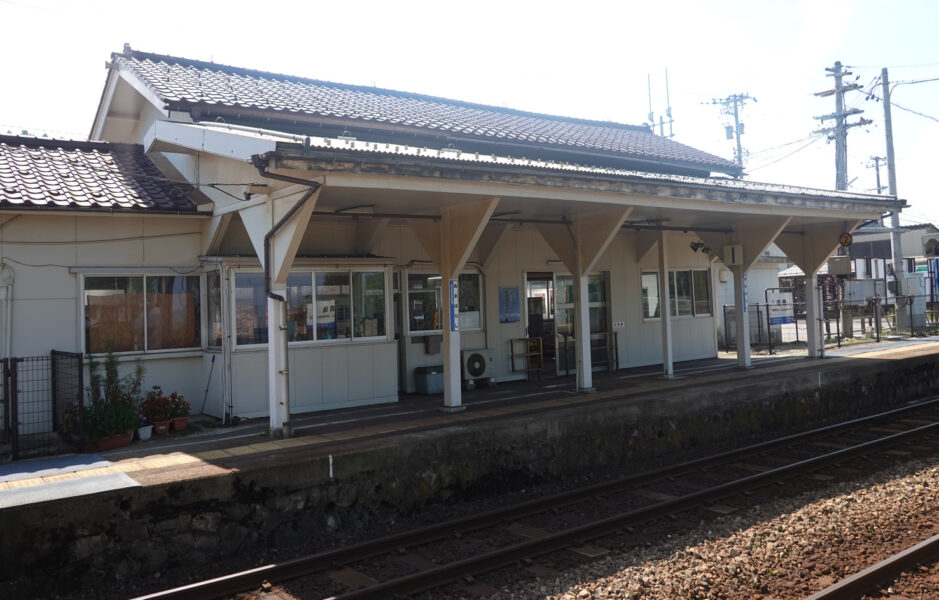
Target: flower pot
144,433
161,427
108,442
179,423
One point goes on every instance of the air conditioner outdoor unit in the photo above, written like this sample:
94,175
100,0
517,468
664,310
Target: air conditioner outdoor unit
931,245
476,364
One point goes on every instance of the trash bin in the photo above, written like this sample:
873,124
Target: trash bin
429,380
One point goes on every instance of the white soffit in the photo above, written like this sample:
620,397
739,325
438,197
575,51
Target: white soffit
238,145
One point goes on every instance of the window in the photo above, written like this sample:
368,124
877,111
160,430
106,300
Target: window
333,306
469,302
424,302
368,303
680,294
689,293
702,292
250,309
596,304
142,313
650,295
321,305
213,285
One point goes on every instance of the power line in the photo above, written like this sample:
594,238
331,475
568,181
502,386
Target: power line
901,107
801,148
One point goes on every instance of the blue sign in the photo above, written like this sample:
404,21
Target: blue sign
508,305
454,305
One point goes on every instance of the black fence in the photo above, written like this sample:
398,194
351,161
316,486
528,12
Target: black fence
42,402
841,322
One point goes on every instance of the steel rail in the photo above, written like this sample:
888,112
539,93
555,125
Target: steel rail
453,571
852,587
238,582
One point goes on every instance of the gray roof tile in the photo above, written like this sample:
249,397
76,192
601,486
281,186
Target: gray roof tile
55,174
188,83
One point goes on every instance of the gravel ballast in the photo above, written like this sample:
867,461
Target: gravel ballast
786,549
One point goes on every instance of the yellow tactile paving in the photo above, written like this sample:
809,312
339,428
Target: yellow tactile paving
212,454
60,477
264,447
241,450
340,435
290,443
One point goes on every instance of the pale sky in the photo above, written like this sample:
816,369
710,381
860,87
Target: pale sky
581,59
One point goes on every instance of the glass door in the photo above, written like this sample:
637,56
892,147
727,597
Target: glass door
598,309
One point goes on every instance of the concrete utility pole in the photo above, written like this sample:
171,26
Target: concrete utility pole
731,106
896,247
839,132
876,166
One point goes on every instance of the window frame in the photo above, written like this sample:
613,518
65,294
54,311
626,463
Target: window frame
406,290
672,301
311,271
200,326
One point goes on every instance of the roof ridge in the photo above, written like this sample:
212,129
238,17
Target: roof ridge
142,55
21,140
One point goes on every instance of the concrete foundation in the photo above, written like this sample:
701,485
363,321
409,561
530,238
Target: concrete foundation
289,495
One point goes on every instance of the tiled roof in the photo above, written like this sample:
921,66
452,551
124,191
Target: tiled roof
68,175
186,83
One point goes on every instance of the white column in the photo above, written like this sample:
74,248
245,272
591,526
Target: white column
665,308
813,331
450,346
277,364
582,329
741,317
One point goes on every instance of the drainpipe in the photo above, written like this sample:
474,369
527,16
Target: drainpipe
7,283
261,165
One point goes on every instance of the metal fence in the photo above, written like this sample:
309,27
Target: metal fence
42,401
842,322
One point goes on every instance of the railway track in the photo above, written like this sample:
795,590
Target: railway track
867,580
515,536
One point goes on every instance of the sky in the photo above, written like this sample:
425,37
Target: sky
594,60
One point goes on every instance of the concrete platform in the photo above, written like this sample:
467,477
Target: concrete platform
219,450
207,495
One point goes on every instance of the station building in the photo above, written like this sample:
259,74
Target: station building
278,245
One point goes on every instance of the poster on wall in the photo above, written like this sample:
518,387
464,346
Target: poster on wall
508,305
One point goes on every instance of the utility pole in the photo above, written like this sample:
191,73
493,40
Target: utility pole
731,106
839,132
880,188
896,247
876,166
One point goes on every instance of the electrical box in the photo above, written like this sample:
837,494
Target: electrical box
839,265
733,255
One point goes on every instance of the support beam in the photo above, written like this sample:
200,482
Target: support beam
449,243
214,232
813,330
259,220
645,243
665,308
367,234
579,245
810,248
489,242
741,317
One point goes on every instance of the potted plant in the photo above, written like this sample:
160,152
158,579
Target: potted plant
158,410
180,411
144,427
111,413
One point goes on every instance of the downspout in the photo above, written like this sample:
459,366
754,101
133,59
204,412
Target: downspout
261,165
7,283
